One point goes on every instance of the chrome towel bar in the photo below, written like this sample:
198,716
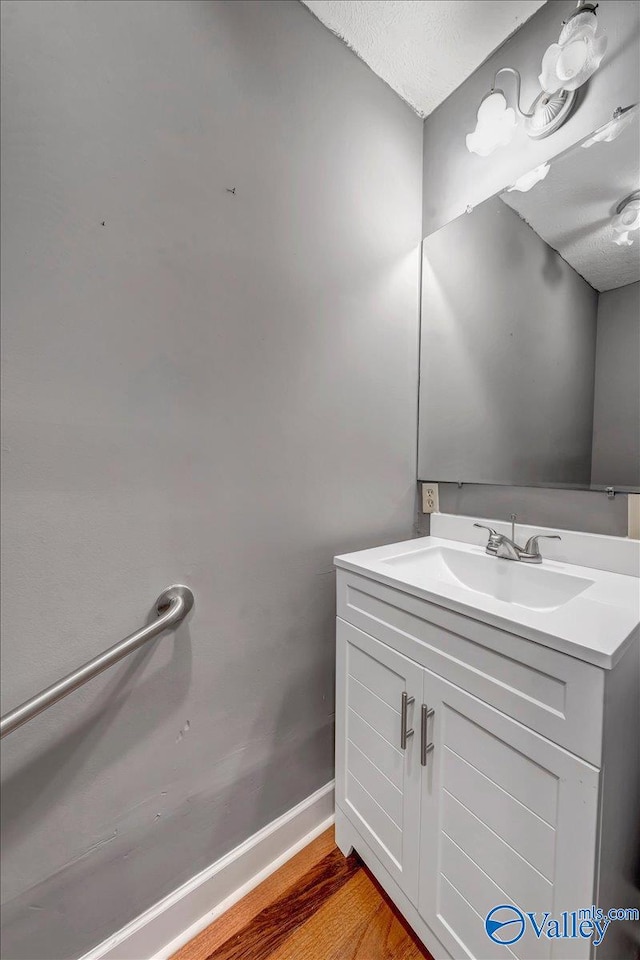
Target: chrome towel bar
172,606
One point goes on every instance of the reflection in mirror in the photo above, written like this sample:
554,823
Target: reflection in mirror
530,347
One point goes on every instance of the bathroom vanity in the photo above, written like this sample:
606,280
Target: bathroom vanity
487,727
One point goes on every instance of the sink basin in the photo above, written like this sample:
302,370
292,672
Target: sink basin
585,611
525,585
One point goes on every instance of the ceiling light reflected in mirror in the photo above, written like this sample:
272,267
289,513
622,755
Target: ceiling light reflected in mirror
529,180
612,130
627,220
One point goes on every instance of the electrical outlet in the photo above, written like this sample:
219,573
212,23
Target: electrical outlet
430,498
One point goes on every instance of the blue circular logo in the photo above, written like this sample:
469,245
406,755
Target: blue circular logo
505,924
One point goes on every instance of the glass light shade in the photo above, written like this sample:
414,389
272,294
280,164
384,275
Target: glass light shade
586,20
623,239
626,222
529,180
495,126
569,63
612,130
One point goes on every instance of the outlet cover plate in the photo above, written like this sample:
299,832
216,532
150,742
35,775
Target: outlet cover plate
430,498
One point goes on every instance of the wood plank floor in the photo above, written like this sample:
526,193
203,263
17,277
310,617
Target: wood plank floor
318,906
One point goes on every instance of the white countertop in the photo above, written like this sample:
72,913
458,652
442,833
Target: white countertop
596,626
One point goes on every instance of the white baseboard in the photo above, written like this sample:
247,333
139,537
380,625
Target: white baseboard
158,932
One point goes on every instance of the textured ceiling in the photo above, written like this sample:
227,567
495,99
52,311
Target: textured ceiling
423,49
572,208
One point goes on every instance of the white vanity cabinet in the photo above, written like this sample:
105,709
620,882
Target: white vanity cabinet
469,771
378,781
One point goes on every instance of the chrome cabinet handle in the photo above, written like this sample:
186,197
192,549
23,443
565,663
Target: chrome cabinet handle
425,747
404,732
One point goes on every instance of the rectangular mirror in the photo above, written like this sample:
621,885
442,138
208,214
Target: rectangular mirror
530,332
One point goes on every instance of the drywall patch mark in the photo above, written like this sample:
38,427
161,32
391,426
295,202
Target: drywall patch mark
91,849
101,843
183,731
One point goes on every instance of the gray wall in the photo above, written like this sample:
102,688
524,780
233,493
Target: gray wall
507,355
616,419
200,386
454,178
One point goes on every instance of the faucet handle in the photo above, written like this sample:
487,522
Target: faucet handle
531,545
495,538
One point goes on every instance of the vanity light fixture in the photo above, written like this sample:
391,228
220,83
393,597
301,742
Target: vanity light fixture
626,220
612,130
529,180
495,126
576,56
565,67
497,123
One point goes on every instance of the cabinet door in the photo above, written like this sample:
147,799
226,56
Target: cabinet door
377,779
507,818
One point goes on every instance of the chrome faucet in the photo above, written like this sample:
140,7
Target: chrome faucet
506,548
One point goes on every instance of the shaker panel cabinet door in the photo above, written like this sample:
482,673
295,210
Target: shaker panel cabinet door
378,695
507,818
